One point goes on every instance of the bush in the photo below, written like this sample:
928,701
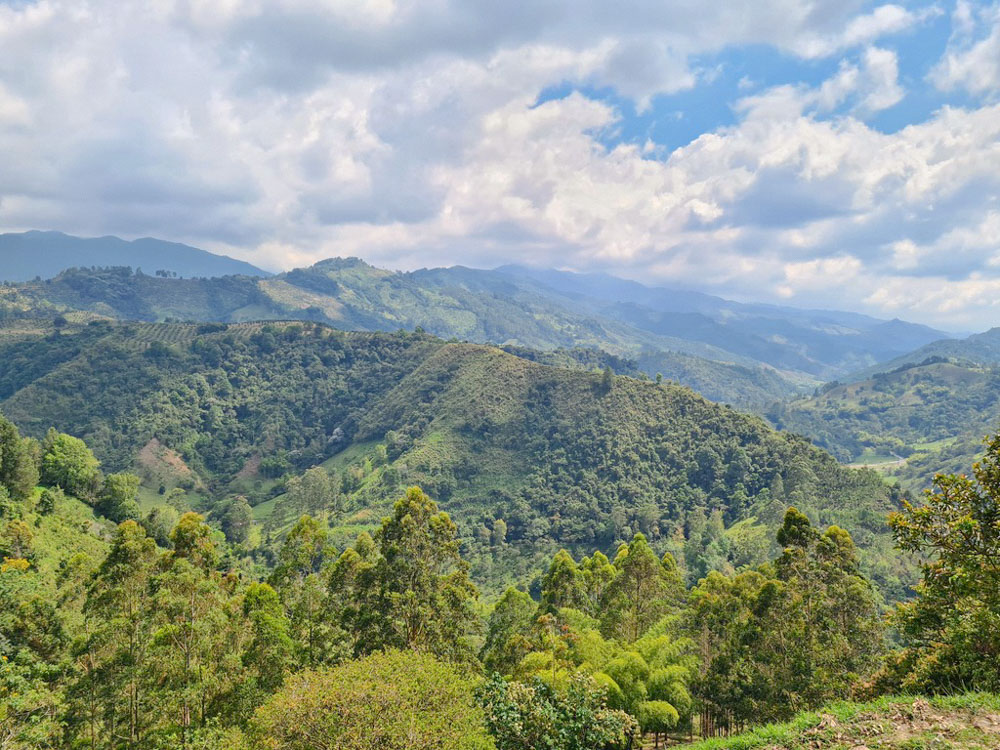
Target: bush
398,700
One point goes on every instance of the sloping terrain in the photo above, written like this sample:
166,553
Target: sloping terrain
979,348
915,421
748,355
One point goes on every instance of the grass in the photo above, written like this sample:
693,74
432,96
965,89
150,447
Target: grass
899,722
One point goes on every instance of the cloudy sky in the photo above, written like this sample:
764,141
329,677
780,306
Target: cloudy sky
814,152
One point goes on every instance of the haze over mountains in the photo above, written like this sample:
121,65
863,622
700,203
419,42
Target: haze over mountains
33,254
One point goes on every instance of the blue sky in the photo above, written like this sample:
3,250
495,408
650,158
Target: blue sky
815,153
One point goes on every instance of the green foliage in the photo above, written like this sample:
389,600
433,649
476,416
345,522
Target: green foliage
952,628
508,632
301,577
897,722
414,592
117,498
918,420
236,520
69,464
18,462
525,458
397,700
642,592
539,716
789,636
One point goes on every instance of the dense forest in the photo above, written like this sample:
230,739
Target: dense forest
295,418
160,633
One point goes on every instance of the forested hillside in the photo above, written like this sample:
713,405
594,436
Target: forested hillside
162,632
913,422
526,457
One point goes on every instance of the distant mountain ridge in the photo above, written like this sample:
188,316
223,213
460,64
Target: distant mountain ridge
28,255
979,349
818,342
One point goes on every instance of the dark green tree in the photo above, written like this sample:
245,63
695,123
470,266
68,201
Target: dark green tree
417,593
118,498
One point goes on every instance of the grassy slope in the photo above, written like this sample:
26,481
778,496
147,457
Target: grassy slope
70,529
964,722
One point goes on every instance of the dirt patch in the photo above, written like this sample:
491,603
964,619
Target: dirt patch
251,468
904,726
163,464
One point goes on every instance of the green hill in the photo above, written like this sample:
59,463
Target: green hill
914,421
747,355
979,348
526,457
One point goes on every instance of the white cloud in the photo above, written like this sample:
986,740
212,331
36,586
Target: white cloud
972,62
410,133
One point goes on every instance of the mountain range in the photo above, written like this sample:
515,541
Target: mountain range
750,355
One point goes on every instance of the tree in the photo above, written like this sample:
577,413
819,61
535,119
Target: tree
300,579
159,522
416,593
115,688
508,632
952,628
49,500
68,463
192,538
270,649
190,617
237,520
18,462
562,585
643,591
397,700
312,492
607,380
118,498
16,540
790,636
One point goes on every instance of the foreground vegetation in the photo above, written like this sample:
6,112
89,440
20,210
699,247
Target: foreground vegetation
148,635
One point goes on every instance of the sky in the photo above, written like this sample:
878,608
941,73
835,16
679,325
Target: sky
812,153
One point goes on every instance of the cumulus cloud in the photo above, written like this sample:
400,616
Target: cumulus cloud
416,133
